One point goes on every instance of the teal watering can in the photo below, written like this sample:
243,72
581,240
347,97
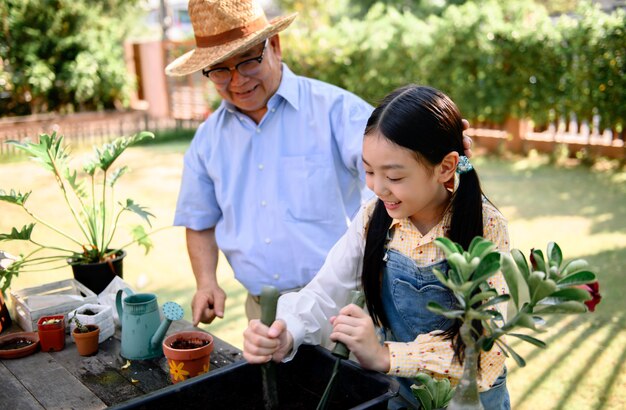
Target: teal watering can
142,329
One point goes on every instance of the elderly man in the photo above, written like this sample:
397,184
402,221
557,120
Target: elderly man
274,175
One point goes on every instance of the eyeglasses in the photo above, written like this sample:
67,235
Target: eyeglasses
249,68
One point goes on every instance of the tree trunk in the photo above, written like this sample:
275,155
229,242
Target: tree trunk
466,395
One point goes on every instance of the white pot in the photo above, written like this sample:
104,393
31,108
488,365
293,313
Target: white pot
103,318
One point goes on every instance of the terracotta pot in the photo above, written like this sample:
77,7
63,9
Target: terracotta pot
87,343
51,334
97,276
20,344
187,362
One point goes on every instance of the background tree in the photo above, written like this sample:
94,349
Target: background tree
63,55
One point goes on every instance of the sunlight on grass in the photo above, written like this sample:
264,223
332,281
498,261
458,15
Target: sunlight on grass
583,210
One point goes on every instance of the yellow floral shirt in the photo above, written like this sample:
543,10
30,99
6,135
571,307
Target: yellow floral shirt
430,353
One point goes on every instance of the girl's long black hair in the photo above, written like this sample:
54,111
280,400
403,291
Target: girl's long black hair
427,122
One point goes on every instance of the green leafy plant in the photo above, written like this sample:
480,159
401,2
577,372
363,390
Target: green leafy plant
432,393
90,201
546,286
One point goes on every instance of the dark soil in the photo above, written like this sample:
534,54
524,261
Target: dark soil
15,344
186,344
88,312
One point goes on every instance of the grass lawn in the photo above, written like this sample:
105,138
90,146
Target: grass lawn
581,209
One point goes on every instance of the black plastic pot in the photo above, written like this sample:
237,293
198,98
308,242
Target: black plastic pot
97,276
301,383
5,318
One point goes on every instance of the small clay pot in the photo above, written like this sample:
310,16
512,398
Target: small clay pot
188,354
16,345
51,331
87,343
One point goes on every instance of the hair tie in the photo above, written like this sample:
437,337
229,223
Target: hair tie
464,165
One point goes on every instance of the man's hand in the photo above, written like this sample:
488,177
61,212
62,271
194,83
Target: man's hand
467,141
262,344
207,304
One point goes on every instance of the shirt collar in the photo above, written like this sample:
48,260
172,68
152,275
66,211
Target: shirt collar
287,89
407,224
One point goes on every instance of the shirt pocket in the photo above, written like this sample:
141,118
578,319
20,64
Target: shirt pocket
308,188
411,303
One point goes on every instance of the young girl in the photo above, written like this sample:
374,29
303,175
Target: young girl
425,188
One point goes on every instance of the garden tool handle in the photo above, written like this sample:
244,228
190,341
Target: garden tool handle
269,299
341,350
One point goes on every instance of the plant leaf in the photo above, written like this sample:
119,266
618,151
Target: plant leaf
13,197
77,186
426,380
479,297
574,266
555,256
506,348
495,301
562,308
489,265
527,321
137,209
141,237
563,295
480,247
520,261
21,235
542,288
440,310
116,175
516,283
540,262
578,278
423,396
529,339
443,391
447,246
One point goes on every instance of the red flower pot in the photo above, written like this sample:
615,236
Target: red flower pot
87,343
188,354
51,331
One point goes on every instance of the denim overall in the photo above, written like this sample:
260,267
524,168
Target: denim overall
406,290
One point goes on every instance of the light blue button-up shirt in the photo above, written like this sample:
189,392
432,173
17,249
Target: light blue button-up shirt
279,193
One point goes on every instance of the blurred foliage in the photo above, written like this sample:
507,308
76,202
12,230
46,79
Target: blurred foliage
496,59
63,55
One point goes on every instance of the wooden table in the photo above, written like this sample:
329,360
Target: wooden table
66,380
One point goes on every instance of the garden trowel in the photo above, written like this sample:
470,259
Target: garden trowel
340,351
269,299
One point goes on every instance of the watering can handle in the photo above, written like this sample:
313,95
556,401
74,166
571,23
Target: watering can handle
118,301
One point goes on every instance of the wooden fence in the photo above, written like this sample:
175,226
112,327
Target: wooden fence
518,136
87,129
84,129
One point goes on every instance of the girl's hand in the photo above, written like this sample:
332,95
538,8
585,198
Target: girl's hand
356,330
262,344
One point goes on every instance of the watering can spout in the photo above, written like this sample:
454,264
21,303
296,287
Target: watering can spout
159,335
172,311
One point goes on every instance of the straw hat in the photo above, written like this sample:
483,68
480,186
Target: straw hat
224,28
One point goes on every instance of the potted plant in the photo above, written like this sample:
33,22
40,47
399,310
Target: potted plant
85,337
51,331
543,287
5,317
187,354
94,314
90,201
